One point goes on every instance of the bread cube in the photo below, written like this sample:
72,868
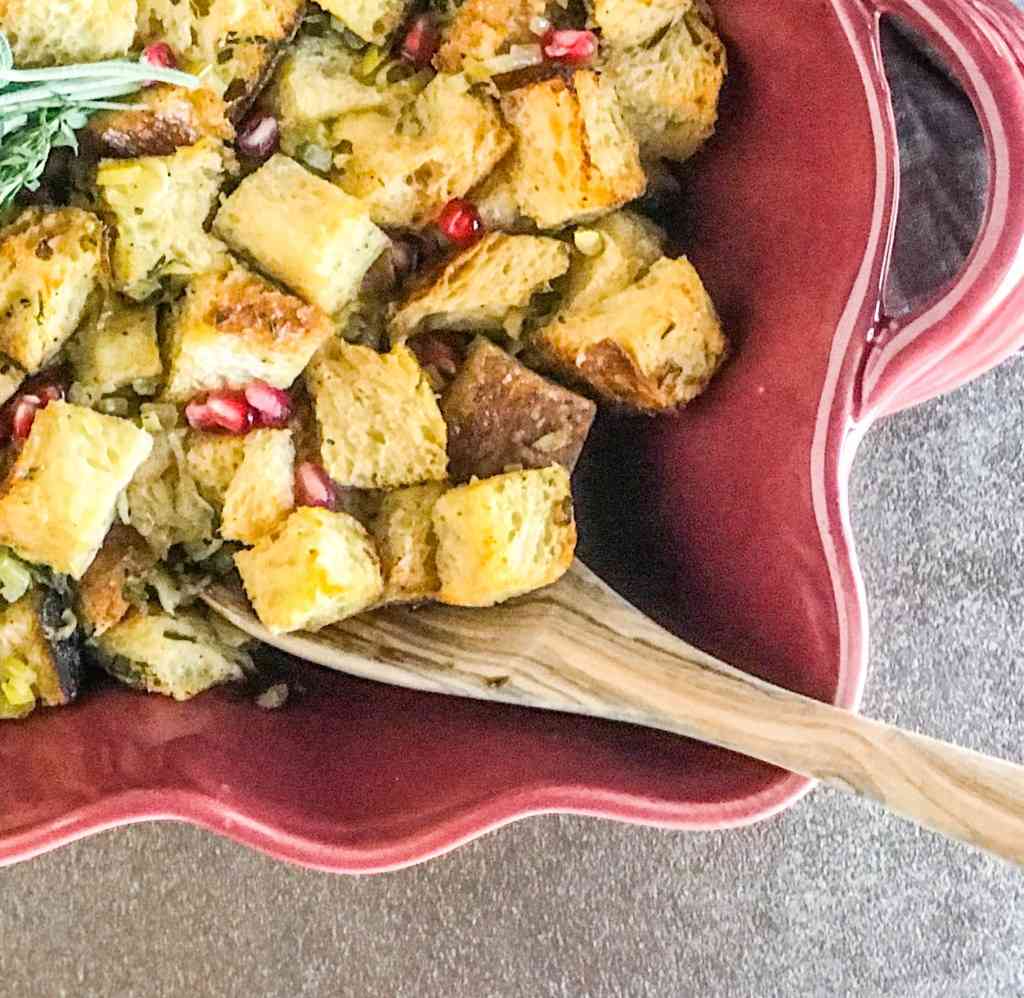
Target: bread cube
504,536
170,21
11,378
625,246
212,460
669,90
123,562
318,568
380,426
50,263
235,327
51,33
179,656
486,287
62,492
158,206
653,346
117,348
302,230
406,168
407,543
262,491
502,416
497,202
632,22
574,159
372,20
482,29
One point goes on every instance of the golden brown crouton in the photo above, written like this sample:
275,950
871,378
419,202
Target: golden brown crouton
482,29
371,20
50,263
501,415
125,558
52,33
235,327
262,491
653,346
486,287
574,159
504,536
669,89
497,203
212,460
407,543
380,426
632,22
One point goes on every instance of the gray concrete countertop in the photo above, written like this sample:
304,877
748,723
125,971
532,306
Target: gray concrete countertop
832,898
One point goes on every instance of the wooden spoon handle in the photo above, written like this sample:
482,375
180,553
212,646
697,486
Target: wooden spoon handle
579,647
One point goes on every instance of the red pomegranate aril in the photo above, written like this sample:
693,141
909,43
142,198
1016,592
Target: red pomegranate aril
24,415
49,392
575,48
222,410
259,136
421,42
314,487
273,406
460,222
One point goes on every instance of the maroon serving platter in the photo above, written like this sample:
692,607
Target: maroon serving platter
728,524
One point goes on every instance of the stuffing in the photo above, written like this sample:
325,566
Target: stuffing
303,230
50,264
632,22
212,460
372,20
482,29
262,491
122,562
504,536
407,543
317,569
486,287
52,33
62,492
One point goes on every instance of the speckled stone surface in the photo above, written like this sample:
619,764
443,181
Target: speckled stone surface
833,898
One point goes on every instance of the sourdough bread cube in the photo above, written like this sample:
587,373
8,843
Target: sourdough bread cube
212,460
407,543
632,22
302,230
158,206
179,656
380,426
372,20
654,346
50,263
406,168
117,348
62,493
486,287
482,29
502,415
123,562
625,245
52,33
574,159
669,90
504,536
262,491
317,569
235,327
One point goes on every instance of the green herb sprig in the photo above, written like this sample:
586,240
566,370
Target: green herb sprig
42,109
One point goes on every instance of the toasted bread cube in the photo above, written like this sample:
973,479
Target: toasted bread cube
318,568
574,159
62,492
497,202
235,327
262,492
653,346
179,656
372,20
632,22
504,536
380,426
50,263
170,21
117,348
625,247
407,169
50,33
407,543
669,90
501,415
482,29
486,287
302,230
11,378
123,561
212,460
159,206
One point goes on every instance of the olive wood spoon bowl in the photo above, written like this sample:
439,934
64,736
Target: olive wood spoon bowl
580,648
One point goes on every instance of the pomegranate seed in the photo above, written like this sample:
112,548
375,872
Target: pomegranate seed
573,47
223,410
421,41
314,487
273,406
259,136
161,55
24,415
460,222
50,392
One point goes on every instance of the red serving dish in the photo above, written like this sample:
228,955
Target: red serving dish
729,523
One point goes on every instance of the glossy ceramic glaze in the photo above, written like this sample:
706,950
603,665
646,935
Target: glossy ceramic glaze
727,524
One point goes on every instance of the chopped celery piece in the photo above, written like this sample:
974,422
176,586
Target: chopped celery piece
17,687
15,576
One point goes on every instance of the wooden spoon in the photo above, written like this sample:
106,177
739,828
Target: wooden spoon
579,647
